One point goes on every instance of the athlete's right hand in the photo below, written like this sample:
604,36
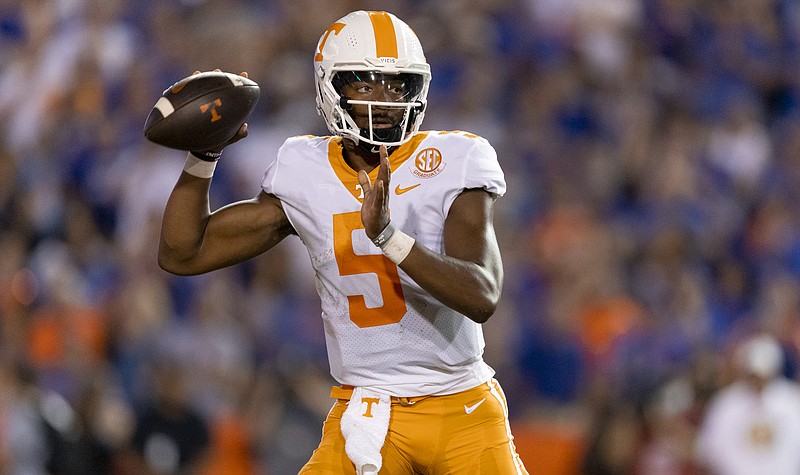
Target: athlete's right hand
214,154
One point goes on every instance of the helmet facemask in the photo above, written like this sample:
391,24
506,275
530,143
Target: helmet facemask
374,108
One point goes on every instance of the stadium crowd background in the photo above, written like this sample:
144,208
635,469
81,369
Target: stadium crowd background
652,152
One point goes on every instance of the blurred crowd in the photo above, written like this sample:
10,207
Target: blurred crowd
652,153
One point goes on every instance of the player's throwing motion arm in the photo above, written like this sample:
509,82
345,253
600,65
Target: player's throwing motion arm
469,276
195,240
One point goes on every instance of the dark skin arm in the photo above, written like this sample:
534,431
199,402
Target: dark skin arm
468,277
195,241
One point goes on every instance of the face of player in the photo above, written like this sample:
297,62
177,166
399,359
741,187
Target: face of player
378,87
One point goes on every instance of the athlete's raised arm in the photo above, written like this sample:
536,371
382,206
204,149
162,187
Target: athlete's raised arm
195,240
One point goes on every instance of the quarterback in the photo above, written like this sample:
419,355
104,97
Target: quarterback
398,227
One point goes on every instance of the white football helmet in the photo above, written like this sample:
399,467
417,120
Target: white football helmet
380,44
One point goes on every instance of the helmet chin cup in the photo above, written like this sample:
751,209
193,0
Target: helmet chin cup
390,135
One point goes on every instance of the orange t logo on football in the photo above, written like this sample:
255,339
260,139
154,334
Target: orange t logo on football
213,106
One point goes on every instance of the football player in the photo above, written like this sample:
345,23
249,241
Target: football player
398,224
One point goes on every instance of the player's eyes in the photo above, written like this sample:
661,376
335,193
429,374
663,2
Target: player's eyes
365,89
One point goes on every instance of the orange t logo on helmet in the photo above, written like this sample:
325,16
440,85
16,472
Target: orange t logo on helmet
335,29
385,36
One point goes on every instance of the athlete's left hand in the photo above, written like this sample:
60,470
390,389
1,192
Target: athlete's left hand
375,208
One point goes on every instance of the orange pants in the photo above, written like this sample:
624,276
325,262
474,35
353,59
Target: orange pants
466,433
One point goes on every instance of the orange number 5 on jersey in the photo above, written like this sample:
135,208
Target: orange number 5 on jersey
350,263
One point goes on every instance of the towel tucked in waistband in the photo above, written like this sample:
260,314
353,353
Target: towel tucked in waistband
365,423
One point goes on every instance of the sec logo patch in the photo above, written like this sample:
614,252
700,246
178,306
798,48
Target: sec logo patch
428,163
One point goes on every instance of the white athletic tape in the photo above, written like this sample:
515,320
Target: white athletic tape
199,168
397,247
164,106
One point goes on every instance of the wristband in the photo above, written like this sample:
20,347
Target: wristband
384,236
208,156
397,247
199,167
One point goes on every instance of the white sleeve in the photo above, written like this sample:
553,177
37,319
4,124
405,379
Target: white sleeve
269,181
483,170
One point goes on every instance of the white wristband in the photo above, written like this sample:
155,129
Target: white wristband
199,168
397,247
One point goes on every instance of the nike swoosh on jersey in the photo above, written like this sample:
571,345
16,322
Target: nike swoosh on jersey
469,409
399,190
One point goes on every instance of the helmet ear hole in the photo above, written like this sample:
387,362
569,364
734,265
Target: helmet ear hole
419,108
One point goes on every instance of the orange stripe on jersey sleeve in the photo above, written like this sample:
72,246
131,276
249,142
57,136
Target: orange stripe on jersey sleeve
385,37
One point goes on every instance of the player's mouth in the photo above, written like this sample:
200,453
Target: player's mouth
382,122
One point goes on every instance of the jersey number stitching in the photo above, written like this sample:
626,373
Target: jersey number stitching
350,263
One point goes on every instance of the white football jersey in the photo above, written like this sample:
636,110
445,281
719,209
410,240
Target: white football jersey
382,330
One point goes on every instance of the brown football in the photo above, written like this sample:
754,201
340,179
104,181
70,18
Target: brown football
202,111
